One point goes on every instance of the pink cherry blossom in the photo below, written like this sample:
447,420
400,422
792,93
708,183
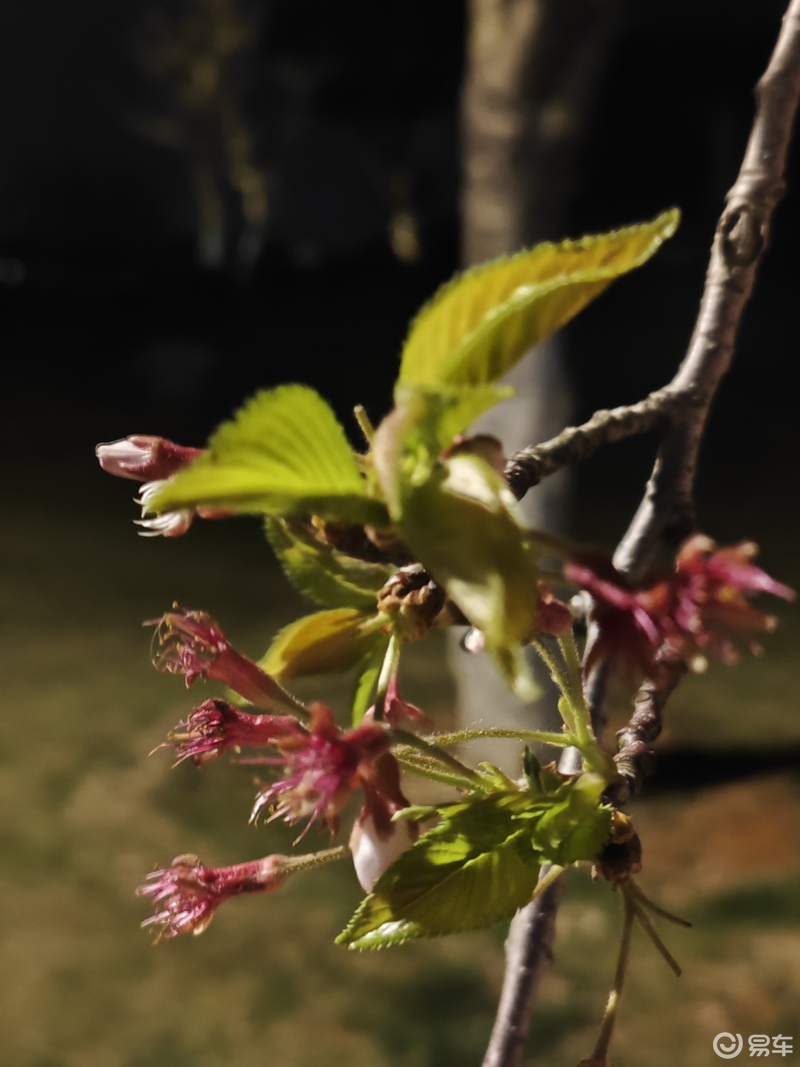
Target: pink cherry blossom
322,770
216,726
187,894
192,643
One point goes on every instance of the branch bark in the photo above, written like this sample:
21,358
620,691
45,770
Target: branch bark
741,237
666,510
634,758
527,467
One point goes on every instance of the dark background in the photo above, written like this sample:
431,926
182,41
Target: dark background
110,326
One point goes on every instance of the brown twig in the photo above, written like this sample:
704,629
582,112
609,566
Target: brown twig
666,509
634,758
739,242
576,443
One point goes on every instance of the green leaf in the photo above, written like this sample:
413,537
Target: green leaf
475,869
577,827
320,571
481,863
369,670
442,412
416,813
460,524
284,453
317,644
480,324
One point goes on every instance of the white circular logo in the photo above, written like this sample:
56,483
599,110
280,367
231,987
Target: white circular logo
728,1045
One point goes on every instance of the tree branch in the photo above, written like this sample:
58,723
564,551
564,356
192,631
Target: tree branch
741,237
634,758
529,950
576,443
666,509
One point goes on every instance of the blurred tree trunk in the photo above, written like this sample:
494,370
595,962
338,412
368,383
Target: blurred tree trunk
533,67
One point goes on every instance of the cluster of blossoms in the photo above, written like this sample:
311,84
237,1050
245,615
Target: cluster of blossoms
323,766
695,610
692,612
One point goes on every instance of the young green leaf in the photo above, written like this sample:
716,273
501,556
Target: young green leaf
474,869
284,453
460,525
317,644
576,826
480,863
321,572
481,323
442,412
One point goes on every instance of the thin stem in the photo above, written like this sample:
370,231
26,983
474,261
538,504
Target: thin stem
569,650
648,903
573,707
594,756
600,1054
556,672
424,768
317,859
546,880
652,933
405,737
365,423
544,737
297,707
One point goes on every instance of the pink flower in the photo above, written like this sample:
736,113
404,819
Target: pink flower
144,458
692,610
191,643
322,770
711,589
628,634
216,726
187,894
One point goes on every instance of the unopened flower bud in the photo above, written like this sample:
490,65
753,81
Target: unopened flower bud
375,850
552,616
144,458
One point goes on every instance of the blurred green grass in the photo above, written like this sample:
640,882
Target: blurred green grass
86,814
